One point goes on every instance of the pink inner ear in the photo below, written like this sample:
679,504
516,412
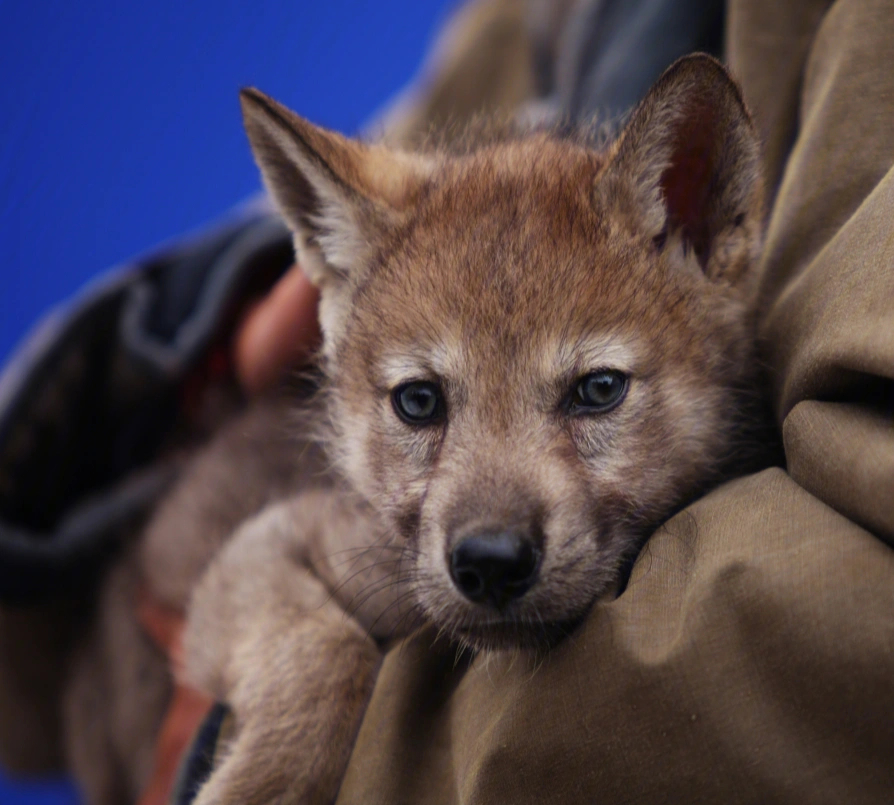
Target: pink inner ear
689,181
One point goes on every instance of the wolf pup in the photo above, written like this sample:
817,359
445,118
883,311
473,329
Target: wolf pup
535,350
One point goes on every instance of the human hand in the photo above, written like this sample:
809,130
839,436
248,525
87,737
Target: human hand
278,332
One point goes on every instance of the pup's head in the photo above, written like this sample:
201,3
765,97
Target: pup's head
534,346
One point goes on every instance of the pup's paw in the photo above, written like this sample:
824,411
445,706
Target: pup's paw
288,740
265,636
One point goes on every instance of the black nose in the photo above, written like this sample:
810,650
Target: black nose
494,567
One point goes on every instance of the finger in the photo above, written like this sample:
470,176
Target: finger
186,711
279,332
163,624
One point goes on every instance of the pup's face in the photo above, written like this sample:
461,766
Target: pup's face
533,347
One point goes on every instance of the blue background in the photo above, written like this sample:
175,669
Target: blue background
120,128
120,123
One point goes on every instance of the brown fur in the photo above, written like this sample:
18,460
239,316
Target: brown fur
504,269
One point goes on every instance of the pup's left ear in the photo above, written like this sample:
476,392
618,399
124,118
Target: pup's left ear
339,196
688,165
335,193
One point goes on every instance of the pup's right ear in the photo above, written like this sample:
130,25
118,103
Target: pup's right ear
335,193
688,165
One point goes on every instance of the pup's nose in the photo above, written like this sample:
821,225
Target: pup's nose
494,567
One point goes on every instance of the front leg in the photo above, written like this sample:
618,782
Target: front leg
266,635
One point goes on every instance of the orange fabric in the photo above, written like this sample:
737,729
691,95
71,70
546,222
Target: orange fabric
188,706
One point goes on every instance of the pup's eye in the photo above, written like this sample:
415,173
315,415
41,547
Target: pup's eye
599,391
418,403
